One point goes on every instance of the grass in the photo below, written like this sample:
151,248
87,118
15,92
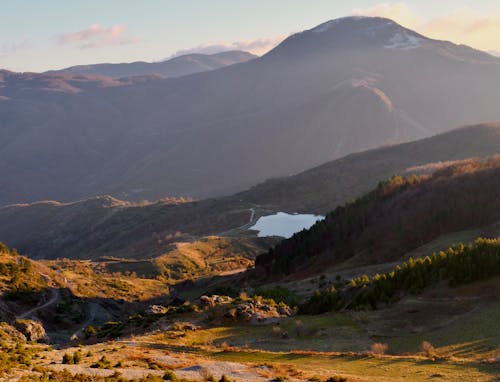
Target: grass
369,368
476,335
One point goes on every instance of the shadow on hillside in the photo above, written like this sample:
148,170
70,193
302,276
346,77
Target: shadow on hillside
65,315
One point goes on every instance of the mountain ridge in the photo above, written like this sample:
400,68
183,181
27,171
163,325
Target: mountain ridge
105,226
172,67
198,136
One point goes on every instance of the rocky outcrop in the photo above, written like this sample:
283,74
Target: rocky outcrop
154,310
212,301
32,330
258,313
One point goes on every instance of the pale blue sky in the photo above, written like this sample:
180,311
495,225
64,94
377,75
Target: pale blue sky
38,35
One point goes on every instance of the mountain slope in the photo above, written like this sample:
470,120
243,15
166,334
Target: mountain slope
323,188
347,86
174,67
109,227
398,216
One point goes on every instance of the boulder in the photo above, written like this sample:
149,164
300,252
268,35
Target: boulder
32,330
156,309
285,310
207,302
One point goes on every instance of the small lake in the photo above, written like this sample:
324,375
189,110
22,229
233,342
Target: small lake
283,224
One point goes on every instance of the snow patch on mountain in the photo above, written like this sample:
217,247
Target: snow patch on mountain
404,41
329,24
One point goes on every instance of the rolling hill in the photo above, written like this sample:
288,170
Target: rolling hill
173,67
345,86
105,226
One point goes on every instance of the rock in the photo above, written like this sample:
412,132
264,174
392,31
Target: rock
285,310
222,299
156,309
207,301
231,313
32,330
259,319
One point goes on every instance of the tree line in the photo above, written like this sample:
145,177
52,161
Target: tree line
459,264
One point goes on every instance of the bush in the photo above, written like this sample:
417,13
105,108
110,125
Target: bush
89,331
428,349
379,348
77,357
280,295
103,363
67,359
336,379
280,378
169,376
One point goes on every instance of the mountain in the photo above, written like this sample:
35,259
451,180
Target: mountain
325,187
106,226
398,216
346,86
174,67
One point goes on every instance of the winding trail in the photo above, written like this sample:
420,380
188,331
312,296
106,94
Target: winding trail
54,298
91,316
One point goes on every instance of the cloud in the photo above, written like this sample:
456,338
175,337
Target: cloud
96,36
400,12
258,46
14,47
461,25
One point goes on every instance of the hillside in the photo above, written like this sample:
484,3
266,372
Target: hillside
400,215
174,67
106,226
339,88
323,188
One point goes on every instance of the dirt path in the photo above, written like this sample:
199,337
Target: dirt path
90,318
54,298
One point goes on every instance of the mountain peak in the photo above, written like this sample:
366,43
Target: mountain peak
352,32
378,29
326,26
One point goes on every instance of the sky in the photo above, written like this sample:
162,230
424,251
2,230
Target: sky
38,35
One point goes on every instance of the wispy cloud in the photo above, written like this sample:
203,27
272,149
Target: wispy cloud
461,25
258,46
96,36
14,47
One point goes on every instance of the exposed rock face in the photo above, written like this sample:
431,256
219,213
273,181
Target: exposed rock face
258,313
156,309
32,330
211,301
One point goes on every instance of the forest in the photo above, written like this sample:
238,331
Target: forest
399,215
460,264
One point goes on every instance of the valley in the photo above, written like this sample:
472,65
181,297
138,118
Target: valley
324,210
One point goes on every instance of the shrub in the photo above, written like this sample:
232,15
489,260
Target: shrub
77,357
89,331
103,363
428,349
280,378
169,376
336,379
280,295
379,348
67,359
